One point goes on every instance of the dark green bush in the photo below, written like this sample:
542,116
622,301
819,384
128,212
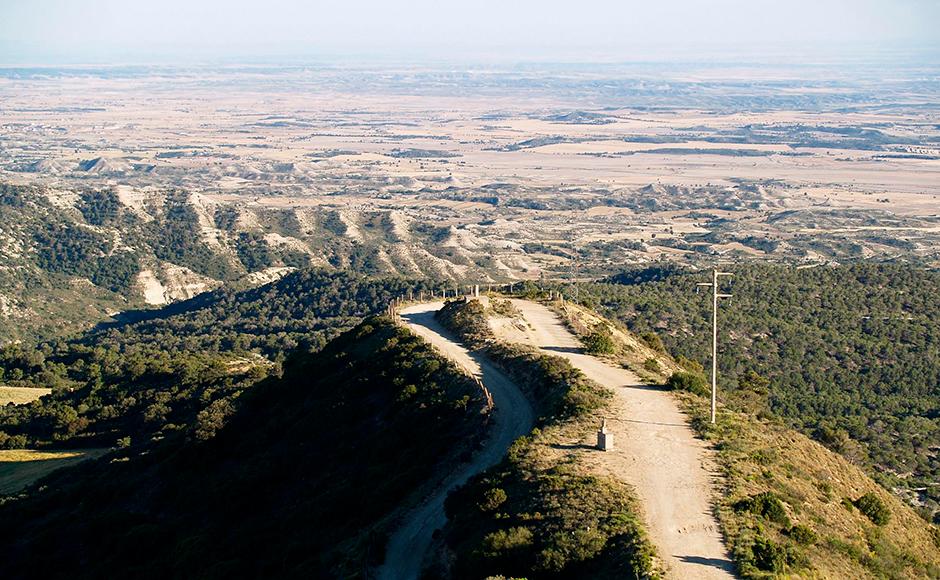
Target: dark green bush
555,523
466,318
693,366
802,535
691,382
600,341
765,504
653,341
872,506
492,499
769,556
498,543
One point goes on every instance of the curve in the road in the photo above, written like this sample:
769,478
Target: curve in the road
513,417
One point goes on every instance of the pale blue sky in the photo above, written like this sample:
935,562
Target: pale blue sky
38,31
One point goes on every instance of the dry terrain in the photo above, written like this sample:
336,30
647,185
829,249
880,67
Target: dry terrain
491,174
21,467
655,451
20,395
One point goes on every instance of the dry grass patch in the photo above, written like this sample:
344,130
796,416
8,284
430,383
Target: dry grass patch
790,506
21,467
641,356
21,395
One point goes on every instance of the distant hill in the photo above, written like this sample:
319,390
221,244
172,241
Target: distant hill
69,259
301,477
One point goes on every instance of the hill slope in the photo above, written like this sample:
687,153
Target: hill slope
154,373
543,512
76,257
303,480
851,353
791,506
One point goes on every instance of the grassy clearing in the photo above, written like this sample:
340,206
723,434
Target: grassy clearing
21,467
21,395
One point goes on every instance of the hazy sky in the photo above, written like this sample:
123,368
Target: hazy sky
38,31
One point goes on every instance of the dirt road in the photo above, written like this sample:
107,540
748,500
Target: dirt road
513,417
655,451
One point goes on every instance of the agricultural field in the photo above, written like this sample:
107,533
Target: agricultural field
21,395
21,467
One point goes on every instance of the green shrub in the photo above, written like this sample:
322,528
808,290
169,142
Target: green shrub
769,556
802,535
12,441
504,308
600,341
872,506
767,456
693,366
751,381
765,504
466,318
651,365
691,382
492,499
501,541
653,341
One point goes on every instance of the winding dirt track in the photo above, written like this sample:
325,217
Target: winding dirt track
512,418
654,450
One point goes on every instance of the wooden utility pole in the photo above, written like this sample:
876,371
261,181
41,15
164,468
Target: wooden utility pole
715,296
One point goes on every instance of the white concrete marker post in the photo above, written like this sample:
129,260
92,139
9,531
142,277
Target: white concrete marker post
605,439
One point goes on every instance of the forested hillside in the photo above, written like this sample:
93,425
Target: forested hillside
849,355
157,374
302,480
68,259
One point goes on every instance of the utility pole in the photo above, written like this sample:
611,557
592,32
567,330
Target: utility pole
715,296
